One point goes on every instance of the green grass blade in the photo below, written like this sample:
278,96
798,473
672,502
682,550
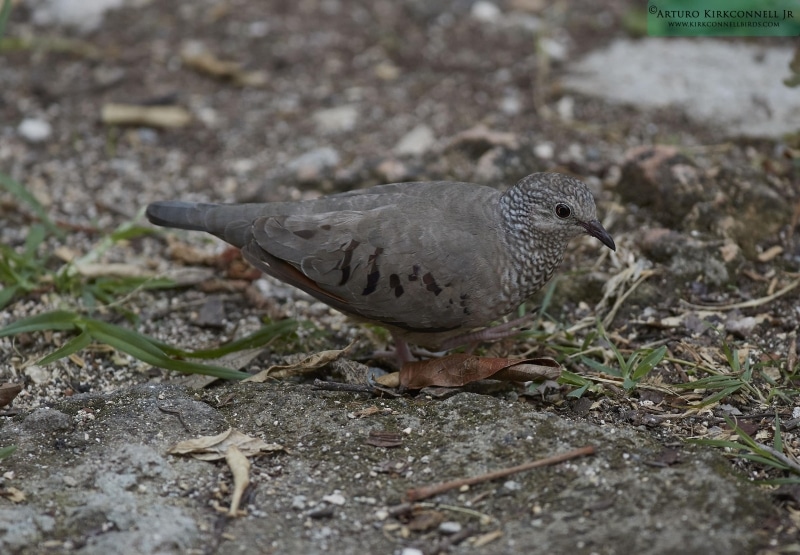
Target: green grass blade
599,367
259,338
141,348
8,293
5,12
571,378
56,320
72,346
649,362
6,452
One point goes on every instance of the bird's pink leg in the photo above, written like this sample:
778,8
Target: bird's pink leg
493,333
401,350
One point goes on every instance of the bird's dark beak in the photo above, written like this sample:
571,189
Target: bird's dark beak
596,229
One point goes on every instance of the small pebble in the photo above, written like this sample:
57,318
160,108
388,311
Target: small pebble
450,527
336,120
37,374
416,142
545,151
485,11
335,499
511,485
35,130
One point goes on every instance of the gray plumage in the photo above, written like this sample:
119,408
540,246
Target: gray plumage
429,261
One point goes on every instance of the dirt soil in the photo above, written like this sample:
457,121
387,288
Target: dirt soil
334,95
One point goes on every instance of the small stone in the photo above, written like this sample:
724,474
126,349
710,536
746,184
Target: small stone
299,502
411,551
417,141
35,130
336,120
486,11
566,108
450,527
310,165
511,105
545,151
335,499
512,485
69,481
37,374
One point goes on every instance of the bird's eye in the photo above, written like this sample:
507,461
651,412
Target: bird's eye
563,211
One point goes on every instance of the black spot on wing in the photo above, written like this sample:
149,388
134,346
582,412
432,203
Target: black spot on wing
344,263
463,303
430,284
374,273
394,283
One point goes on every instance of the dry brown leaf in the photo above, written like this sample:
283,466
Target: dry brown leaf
8,392
384,439
487,538
369,411
149,116
460,369
195,56
240,469
13,494
308,364
389,380
111,269
770,253
213,448
425,520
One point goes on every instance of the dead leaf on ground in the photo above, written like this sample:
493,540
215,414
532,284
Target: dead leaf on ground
148,116
13,494
369,411
213,448
240,469
308,364
487,538
425,520
196,56
8,391
459,369
384,439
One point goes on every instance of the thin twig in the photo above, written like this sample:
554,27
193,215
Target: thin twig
791,463
752,303
417,494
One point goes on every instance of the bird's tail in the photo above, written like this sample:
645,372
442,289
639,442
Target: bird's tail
230,223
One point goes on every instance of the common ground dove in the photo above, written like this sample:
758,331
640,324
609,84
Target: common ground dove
429,261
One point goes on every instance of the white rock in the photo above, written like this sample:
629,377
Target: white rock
336,120
416,142
335,499
86,15
511,104
486,11
545,151
736,86
37,374
450,527
35,130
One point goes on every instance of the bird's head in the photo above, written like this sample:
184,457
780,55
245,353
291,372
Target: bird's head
552,208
